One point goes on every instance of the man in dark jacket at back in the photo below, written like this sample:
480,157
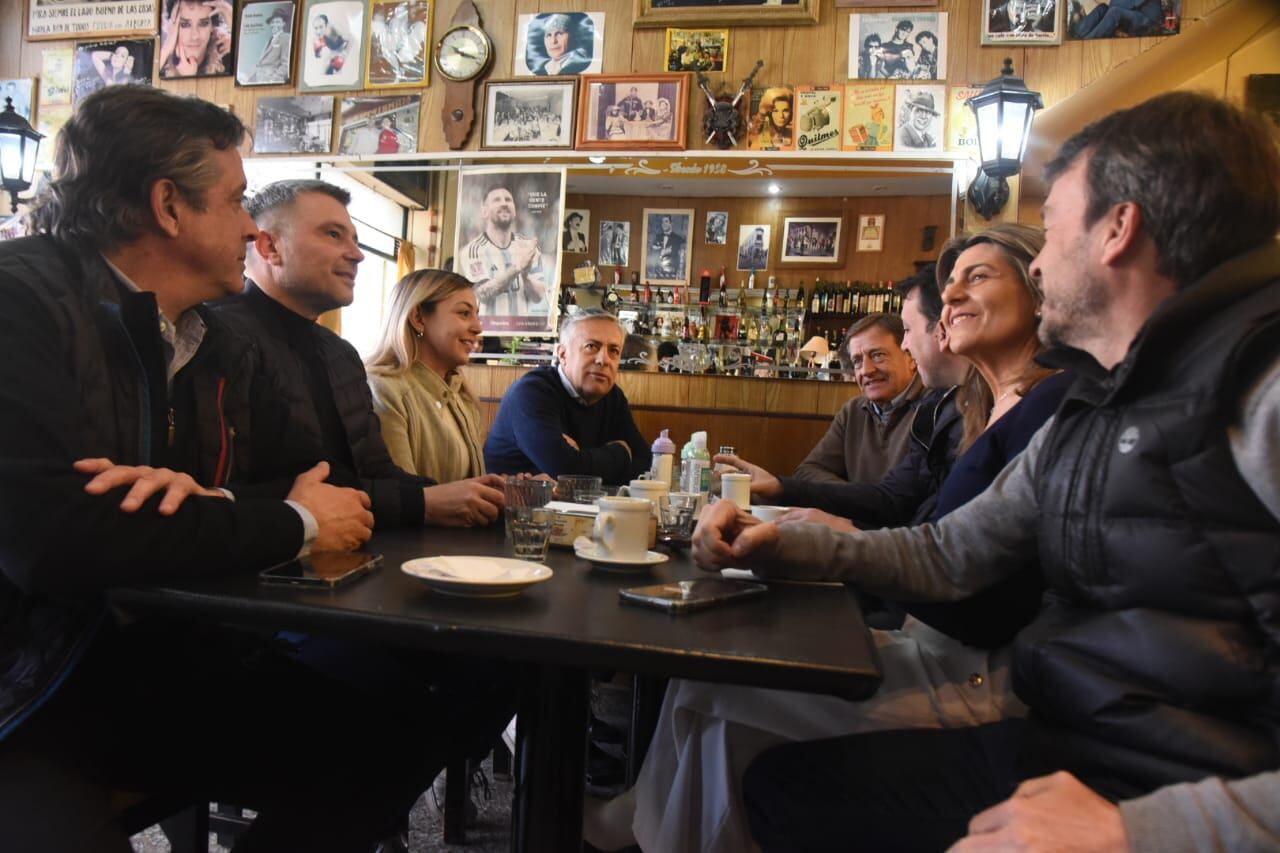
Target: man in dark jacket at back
108,368
1151,503
301,264
571,418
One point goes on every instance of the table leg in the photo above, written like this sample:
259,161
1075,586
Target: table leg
647,692
551,742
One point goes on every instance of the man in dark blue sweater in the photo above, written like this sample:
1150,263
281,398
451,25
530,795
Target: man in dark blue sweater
571,418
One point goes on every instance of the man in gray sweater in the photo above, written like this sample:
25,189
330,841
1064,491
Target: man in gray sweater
1152,505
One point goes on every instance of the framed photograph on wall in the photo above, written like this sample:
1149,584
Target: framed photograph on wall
399,36
717,227
293,125
529,113
697,50
196,39
722,13
813,241
1021,22
20,92
664,238
615,243
58,19
386,125
633,111
575,237
1099,19
333,39
265,54
898,46
508,245
771,126
112,63
753,247
556,44
870,233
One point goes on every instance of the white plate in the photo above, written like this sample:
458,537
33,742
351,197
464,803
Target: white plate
588,552
476,577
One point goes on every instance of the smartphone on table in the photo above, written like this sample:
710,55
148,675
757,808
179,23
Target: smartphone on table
322,569
686,596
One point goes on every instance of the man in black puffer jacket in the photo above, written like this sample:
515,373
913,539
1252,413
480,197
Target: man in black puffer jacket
302,264
1152,502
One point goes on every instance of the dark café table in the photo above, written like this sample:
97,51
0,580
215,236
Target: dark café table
797,637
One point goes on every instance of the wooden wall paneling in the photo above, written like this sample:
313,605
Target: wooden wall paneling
788,442
618,40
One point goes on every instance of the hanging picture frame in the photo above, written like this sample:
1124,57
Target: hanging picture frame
57,19
265,43
399,41
723,13
334,40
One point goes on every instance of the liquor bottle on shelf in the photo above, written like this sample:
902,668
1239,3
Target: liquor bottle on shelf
635,284
751,281
648,292
801,304
704,287
722,298
815,301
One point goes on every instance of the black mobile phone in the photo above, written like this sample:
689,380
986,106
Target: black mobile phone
322,569
685,596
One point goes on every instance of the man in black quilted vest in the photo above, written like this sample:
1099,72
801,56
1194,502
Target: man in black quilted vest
1152,504
301,264
112,381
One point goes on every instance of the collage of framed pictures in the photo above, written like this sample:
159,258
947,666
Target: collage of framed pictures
265,42
633,111
529,113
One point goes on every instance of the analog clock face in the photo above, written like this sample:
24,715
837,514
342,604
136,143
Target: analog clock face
462,53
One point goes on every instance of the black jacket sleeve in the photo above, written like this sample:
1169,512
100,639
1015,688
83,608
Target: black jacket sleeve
58,541
889,503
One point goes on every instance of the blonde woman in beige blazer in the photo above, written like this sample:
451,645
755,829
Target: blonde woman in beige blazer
430,419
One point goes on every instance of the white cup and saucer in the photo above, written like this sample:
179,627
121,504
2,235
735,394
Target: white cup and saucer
620,535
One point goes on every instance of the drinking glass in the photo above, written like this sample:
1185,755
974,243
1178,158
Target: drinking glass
589,496
569,485
525,494
530,532
676,515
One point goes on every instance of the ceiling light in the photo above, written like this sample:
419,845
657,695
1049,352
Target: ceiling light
596,158
774,189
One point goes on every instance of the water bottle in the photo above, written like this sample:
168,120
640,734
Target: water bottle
695,464
664,453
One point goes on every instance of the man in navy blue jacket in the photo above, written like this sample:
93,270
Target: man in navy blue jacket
571,418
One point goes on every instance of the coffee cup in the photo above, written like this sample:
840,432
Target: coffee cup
654,491
622,528
736,488
769,513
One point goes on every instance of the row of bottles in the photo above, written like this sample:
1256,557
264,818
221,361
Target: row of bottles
854,298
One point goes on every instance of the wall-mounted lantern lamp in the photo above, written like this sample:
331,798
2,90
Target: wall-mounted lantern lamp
1005,109
19,143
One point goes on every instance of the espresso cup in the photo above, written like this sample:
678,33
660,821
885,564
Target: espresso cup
621,530
654,491
769,513
736,488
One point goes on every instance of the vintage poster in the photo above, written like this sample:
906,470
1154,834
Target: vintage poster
898,46
400,39
664,240
574,238
818,111
333,45
19,92
57,76
196,39
870,233
918,116
868,117
52,19
508,244
753,247
772,126
615,243
962,124
1021,22
112,63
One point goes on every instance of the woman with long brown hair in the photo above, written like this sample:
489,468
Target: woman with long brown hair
430,419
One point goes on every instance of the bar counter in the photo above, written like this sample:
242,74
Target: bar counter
771,422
